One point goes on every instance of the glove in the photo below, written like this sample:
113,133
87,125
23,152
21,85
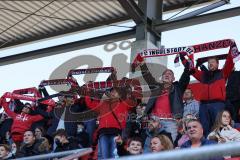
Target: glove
182,56
139,58
188,68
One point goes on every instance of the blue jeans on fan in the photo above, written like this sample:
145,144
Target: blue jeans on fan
106,146
208,113
90,129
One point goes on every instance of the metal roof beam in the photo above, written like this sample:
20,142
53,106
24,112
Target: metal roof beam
202,10
87,43
161,26
133,11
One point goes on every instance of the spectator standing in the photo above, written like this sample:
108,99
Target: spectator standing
213,90
166,101
112,121
233,95
191,106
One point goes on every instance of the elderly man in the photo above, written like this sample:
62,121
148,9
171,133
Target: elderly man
166,98
195,133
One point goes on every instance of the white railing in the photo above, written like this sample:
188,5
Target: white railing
204,152
73,153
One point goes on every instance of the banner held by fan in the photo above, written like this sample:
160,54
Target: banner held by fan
188,51
159,52
213,46
90,71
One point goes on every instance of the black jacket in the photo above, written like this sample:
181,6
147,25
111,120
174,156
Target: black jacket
36,148
83,139
233,86
71,145
121,151
55,115
175,95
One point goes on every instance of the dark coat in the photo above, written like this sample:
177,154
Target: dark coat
55,115
71,145
36,148
175,95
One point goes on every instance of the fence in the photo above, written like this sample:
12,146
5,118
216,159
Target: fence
70,155
200,153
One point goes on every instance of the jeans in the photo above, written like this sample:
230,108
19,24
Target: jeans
90,128
170,126
106,146
208,113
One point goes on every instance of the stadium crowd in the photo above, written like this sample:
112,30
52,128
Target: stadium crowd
121,124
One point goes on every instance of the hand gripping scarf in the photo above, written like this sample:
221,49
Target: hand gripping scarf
32,90
19,96
188,51
104,85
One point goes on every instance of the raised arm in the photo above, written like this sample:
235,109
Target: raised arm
196,73
91,103
112,76
44,113
184,79
6,108
147,75
228,66
43,91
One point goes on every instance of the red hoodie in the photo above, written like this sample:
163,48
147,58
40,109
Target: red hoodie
214,88
106,108
21,122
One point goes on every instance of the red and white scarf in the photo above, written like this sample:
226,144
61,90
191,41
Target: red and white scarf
189,51
20,96
71,82
103,85
32,90
90,71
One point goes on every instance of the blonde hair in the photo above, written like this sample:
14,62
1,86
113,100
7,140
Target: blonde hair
165,141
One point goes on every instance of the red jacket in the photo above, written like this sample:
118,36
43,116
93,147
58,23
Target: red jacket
106,108
213,82
21,122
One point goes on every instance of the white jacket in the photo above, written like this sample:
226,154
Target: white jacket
228,133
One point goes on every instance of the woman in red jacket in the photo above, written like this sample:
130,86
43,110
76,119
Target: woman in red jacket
113,111
21,122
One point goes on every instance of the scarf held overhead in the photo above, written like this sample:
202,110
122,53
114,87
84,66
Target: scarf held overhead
32,90
188,51
104,85
20,96
90,71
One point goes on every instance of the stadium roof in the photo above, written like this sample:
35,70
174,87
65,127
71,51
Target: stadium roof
27,21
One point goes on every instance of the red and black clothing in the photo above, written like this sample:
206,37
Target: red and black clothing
21,122
107,110
213,93
213,82
173,104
